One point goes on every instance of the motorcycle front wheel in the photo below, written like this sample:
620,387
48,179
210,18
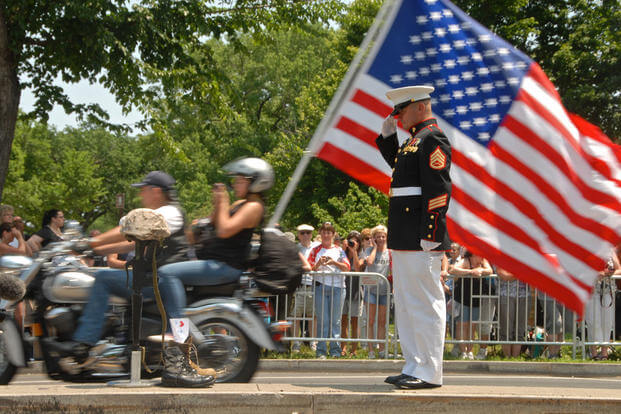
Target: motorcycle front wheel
7,370
228,350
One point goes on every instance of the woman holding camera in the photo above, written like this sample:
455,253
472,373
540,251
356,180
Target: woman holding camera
352,309
378,260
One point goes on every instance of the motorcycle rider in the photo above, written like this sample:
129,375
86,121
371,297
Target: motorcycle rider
157,192
224,255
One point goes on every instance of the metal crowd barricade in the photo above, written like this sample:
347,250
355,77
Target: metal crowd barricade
534,318
302,307
509,313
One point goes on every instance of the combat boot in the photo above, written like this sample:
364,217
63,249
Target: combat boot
210,372
178,372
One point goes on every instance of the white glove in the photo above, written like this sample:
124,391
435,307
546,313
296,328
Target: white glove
389,126
428,245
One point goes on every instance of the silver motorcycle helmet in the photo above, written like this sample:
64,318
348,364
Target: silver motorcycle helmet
258,171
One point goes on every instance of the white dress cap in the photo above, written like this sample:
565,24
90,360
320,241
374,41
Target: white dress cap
409,94
303,227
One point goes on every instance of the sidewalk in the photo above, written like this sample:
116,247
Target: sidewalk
570,369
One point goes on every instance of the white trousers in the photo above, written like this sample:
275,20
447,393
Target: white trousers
420,312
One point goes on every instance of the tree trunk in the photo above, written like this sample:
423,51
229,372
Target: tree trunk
9,99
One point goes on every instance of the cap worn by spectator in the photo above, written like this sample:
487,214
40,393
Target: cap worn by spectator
157,179
305,227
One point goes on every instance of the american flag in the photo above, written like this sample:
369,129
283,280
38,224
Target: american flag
535,190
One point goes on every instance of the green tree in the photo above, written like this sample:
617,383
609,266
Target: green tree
51,169
354,211
139,50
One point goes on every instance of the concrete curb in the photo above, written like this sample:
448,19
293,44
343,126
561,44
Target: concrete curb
294,402
570,369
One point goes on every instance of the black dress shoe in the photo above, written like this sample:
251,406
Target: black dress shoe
393,379
413,383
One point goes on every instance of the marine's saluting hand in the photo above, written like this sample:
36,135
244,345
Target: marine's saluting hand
389,126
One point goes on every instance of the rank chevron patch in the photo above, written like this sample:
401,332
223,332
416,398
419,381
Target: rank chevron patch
437,159
437,202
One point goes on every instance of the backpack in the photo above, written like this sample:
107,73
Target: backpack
278,268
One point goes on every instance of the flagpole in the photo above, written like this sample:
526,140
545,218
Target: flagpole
326,121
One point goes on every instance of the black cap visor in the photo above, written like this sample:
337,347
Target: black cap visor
400,107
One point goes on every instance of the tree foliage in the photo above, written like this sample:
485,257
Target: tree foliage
257,84
140,50
51,169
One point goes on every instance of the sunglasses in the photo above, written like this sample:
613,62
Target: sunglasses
305,232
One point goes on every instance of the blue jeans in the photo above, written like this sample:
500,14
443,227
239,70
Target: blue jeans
107,282
195,273
328,308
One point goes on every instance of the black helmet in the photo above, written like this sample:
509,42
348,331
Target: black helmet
259,172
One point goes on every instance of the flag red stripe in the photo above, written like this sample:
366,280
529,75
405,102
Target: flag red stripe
593,132
499,222
542,79
354,167
371,103
527,208
356,130
554,196
542,111
529,137
520,269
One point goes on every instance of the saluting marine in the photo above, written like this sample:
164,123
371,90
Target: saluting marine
420,192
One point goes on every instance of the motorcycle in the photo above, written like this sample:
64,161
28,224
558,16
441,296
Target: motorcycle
229,322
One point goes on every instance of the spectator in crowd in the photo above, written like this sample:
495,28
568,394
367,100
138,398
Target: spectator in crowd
337,240
553,322
379,260
365,236
303,298
352,308
329,290
18,222
618,299
487,311
599,311
512,311
51,230
468,272
452,257
8,234
7,216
